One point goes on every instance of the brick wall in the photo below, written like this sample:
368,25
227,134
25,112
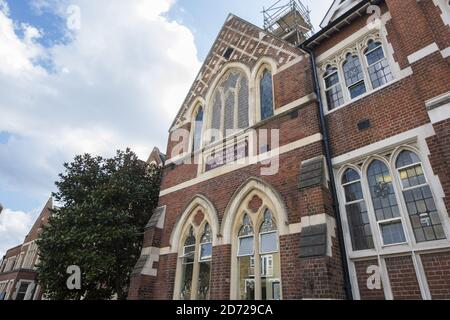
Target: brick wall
220,273
437,270
403,279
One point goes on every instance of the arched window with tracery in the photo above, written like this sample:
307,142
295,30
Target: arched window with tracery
230,105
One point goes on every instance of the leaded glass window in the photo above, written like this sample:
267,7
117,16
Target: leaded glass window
198,130
246,238
420,203
379,70
333,88
384,202
230,104
266,97
354,76
357,214
205,263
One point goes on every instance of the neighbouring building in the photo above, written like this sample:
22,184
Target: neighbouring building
308,166
17,268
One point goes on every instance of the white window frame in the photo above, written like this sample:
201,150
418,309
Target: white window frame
260,241
412,248
239,246
356,48
265,259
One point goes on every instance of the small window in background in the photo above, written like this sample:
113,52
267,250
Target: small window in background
333,88
379,70
354,76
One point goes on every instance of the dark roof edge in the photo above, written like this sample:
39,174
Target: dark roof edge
312,41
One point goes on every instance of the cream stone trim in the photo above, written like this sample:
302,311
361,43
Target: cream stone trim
183,220
446,52
445,9
269,196
165,251
423,132
439,108
422,53
249,161
289,64
299,102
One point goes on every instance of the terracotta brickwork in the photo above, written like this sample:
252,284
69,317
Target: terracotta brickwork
397,108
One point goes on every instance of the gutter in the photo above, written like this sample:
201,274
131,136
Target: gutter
326,141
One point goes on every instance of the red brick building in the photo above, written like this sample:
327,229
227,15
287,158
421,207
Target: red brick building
310,167
17,275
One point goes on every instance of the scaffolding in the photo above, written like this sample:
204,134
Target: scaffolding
289,20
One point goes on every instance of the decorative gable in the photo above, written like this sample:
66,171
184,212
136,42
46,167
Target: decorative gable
237,41
337,9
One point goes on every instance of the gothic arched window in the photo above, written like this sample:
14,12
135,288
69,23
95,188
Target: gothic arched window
266,94
379,70
333,88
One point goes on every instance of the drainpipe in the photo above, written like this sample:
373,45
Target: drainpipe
326,141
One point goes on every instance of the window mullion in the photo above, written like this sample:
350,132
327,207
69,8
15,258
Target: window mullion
257,257
195,272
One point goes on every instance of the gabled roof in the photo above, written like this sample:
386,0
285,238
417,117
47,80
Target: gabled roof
157,156
337,9
215,59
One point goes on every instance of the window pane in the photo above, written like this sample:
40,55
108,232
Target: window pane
243,104
374,55
423,214
392,233
268,223
382,191
357,89
353,192
350,175
352,70
198,129
407,158
186,283
335,98
229,111
269,242
206,251
331,78
246,278
245,246
412,176
359,224
266,95
270,277
203,280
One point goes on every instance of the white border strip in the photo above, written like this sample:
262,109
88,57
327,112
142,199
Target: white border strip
422,53
248,161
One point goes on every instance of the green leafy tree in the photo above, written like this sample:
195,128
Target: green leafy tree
98,226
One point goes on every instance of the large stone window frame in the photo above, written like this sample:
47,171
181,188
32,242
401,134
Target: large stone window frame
262,70
358,50
404,213
380,252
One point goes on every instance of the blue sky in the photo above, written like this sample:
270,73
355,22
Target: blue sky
116,81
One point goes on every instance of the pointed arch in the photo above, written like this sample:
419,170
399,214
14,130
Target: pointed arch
251,185
199,201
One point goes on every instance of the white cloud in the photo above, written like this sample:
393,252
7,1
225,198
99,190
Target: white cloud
14,226
119,83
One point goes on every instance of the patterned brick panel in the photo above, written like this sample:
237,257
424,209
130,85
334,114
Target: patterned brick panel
437,271
362,276
403,279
